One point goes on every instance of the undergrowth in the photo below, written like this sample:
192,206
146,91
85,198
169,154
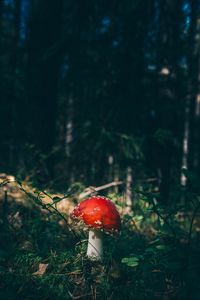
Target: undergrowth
156,255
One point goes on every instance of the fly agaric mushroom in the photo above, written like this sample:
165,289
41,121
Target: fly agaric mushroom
100,215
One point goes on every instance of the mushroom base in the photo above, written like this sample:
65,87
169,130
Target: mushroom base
95,244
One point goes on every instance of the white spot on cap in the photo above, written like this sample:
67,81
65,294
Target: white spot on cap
98,222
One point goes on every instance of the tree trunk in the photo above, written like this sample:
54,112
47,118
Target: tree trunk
186,134
14,97
44,62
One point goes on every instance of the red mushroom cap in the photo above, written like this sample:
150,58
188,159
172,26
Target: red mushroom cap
98,212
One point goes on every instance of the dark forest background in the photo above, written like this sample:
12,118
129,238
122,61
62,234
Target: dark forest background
95,91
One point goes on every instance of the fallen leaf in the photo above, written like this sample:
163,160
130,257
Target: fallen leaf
41,269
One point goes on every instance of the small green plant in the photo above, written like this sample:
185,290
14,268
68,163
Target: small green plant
132,261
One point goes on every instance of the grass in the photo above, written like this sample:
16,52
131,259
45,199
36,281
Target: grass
156,256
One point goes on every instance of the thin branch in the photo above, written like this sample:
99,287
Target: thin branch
47,207
79,296
92,189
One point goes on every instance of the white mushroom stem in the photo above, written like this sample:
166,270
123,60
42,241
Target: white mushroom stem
95,244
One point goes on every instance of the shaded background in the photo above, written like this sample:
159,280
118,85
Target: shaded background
96,91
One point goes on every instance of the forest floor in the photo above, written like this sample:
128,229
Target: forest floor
42,252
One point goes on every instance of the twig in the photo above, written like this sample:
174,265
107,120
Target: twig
46,206
154,179
79,296
164,219
156,210
93,189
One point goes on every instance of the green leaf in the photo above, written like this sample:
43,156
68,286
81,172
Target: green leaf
163,247
131,261
138,218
